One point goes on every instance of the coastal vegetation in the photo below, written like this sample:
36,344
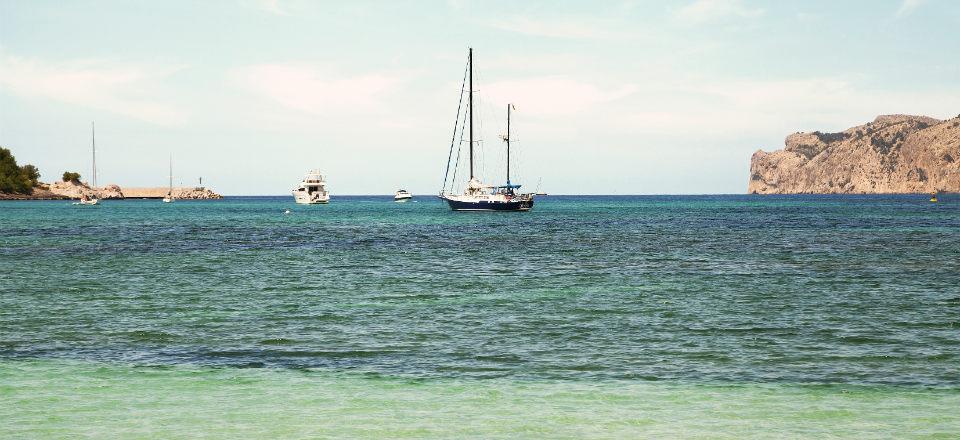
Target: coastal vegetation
70,176
14,178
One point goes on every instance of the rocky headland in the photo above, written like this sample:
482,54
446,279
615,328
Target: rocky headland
75,190
892,154
22,182
40,192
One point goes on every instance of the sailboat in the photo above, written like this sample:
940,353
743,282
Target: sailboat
479,196
538,191
169,197
93,200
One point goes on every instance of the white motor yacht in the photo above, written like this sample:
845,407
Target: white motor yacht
312,190
402,196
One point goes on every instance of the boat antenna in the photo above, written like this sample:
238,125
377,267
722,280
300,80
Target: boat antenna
470,105
93,140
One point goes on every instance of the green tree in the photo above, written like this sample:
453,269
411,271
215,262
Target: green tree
12,178
69,176
31,173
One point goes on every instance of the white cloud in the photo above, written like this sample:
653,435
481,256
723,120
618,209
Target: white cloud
907,7
702,11
272,6
131,90
554,95
310,89
559,28
688,108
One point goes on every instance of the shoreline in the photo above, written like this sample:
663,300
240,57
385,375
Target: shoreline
74,191
257,403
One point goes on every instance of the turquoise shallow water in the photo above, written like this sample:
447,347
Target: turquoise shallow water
710,316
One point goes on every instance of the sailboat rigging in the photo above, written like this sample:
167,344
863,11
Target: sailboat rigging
93,142
92,200
169,197
479,196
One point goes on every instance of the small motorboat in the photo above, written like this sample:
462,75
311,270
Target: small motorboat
402,196
84,200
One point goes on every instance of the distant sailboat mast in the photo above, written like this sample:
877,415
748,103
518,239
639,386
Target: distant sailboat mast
93,138
170,191
506,138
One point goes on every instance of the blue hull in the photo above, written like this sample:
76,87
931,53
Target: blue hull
483,205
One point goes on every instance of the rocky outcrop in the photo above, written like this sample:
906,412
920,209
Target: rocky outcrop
195,193
892,154
40,192
74,190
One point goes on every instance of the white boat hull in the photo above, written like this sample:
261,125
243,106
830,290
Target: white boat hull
305,198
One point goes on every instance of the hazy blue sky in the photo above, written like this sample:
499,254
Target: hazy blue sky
613,97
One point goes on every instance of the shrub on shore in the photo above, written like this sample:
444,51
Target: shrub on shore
31,173
69,176
16,179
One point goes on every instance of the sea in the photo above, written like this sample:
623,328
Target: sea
728,317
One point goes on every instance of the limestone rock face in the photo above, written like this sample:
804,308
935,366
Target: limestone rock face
195,193
75,190
178,193
892,154
111,191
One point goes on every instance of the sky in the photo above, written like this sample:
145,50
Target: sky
612,97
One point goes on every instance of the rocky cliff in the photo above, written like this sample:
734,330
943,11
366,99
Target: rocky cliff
892,154
74,190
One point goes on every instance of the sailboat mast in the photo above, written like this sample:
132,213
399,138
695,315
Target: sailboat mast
470,105
508,143
93,140
170,192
